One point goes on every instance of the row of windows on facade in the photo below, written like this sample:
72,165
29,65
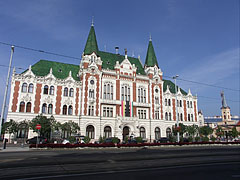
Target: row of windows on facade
90,132
179,103
46,109
168,116
46,90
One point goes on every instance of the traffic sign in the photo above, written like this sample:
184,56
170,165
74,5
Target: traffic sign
38,126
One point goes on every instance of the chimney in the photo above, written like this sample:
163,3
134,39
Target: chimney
117,48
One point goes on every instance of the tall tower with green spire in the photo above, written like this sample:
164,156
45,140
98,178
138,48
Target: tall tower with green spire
91,45
151,59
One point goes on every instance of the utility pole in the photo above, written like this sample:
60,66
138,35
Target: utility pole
175,79
6,89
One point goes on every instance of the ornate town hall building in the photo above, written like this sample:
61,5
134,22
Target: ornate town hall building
107,95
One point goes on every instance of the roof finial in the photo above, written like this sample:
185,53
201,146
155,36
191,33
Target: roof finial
150,37
92,21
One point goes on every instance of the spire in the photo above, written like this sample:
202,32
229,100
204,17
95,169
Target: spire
224,103
91,45
151,59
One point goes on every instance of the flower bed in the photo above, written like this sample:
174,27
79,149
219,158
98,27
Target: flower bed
125,145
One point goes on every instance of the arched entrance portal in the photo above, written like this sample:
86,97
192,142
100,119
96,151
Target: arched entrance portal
125,132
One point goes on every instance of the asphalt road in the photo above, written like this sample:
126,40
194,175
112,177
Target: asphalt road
203,162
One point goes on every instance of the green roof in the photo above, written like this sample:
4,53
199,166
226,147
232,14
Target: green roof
91,44
109,61
59,70
171,86
151,59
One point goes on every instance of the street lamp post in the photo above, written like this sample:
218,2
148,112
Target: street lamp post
6,89
175,79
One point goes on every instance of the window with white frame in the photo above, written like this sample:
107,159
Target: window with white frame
91,93
142,114
141,95
108,91
157,114
91,110
157,96
107,111
125,93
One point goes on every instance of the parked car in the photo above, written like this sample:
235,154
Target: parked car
163,140
65,141
112,139
41,140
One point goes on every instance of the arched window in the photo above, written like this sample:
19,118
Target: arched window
65,110
142,133
90,132
180,103
190,104
71,92
44,108
22,106
157,133
170,117
169,102
166,102
70,110
28,108
105,91
191,117
51,90
168,132
188,117
22,131
50,109
45,90
65,92
166,116
91,93
107,132
30,88
24,87
181,117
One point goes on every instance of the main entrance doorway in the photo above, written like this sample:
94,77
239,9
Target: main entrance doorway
125,132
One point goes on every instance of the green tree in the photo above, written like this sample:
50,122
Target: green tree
10,127
219,131
181,129
205,130
46,125
192,130
234,133
70,128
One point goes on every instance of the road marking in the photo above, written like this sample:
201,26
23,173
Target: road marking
129,170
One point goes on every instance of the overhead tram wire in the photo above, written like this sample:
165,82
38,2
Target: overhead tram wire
40,51
71,57
205,84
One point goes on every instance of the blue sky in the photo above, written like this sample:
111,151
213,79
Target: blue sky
198,40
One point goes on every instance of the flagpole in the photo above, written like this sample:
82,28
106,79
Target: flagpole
6,90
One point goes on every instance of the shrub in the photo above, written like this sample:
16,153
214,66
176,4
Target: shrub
101,139
172,139
71,139
139,139
86,139
190,139
213,139
197,139
115,140
205,139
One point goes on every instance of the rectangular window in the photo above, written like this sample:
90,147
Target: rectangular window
104,111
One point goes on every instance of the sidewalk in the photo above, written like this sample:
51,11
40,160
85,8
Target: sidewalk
14,147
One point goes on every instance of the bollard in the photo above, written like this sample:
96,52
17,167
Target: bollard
5,143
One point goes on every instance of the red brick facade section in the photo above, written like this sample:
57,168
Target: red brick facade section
174,109
15,96
117,89
153,101
118,110
86,94
37,98
97,94
77,100
85,65
58,100
99,67
134,91
160,87
185,110
195,111
135,111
